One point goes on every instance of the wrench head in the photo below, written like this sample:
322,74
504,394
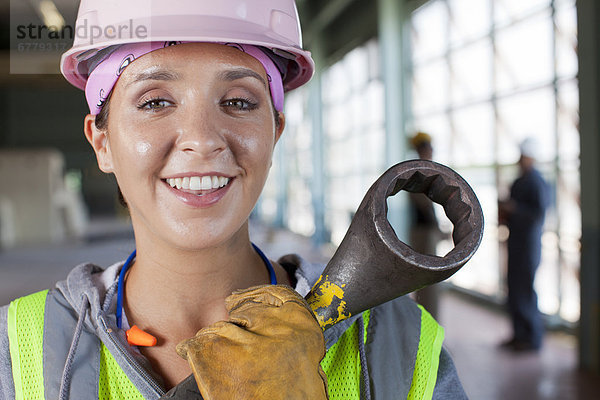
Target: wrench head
372,266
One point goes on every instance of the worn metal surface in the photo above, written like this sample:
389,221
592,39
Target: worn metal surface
372,266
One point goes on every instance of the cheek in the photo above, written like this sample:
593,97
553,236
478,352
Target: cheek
136,150
258,138
142,148
145,153
255,149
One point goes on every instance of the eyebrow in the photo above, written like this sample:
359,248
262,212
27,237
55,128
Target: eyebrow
156,75
241,73
229,75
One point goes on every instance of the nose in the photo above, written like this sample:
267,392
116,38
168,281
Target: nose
199,134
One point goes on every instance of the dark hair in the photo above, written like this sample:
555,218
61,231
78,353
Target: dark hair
101,121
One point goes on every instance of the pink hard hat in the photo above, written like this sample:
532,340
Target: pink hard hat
103,24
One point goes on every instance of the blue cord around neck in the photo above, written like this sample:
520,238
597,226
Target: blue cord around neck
129,261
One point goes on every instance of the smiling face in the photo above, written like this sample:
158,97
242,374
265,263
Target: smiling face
190,137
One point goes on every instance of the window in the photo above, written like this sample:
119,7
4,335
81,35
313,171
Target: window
353,148
485,74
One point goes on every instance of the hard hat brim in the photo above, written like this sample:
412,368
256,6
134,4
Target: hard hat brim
193,29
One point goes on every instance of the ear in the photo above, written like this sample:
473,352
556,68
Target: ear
279,128
99,141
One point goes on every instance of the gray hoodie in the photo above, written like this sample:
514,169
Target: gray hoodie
87,300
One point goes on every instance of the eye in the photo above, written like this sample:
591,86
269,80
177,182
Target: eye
240,104
154,104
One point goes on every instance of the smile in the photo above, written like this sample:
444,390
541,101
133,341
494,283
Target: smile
199,191
198,182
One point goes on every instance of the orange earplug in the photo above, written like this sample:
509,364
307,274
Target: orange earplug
137,337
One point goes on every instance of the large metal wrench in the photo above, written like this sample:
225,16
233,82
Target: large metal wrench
372,266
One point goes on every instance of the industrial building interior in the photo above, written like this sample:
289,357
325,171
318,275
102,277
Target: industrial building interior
479,76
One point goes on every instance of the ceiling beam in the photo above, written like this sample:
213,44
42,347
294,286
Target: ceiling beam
325,16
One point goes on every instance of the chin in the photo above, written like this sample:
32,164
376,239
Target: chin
202,235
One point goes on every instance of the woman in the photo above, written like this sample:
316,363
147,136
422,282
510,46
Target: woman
187,118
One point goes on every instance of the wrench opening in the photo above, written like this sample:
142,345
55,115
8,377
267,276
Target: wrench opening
442,186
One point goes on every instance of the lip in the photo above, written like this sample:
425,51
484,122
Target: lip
196,201
190,174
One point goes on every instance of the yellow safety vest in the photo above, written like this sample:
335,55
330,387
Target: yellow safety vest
341,362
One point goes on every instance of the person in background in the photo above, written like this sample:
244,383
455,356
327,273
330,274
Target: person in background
424,229
524,215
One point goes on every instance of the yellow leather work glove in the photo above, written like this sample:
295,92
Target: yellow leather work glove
270,348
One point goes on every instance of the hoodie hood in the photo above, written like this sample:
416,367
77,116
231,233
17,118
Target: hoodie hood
91,282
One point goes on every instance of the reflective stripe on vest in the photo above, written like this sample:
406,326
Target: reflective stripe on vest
341,362
26,335
113,383
428,358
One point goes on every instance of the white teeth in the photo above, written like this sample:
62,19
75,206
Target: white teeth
185,183
198,182
206,183
195,183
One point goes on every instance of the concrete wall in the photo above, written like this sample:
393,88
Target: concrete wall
30,183
46,112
